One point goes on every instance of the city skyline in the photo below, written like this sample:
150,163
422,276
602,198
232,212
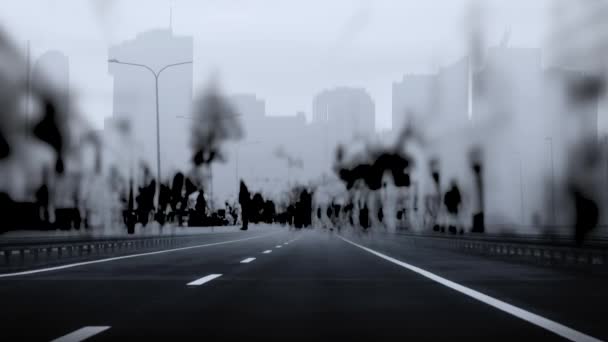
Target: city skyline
327,55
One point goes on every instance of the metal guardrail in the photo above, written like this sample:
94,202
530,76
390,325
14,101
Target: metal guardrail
13,253
547,252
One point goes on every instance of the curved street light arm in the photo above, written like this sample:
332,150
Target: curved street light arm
136,64
171,65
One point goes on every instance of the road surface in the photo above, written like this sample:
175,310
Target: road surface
281,284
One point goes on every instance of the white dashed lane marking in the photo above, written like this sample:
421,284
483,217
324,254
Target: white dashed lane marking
81,334
204,279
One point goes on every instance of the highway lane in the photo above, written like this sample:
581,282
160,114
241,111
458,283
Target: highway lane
316,286
57,302
205,236
320,287
577,297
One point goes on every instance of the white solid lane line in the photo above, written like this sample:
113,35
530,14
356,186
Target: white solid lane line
40,270
267,251
246,261
528,316
81,334
204,279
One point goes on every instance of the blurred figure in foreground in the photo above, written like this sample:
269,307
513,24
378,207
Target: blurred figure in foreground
244,201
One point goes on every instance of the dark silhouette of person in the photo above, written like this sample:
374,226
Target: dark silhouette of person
452,201
244,200
364,217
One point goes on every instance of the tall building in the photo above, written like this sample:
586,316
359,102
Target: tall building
350,112
443,94
248,106
412,96
134,94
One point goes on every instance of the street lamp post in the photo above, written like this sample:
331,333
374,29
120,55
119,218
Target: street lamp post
156,76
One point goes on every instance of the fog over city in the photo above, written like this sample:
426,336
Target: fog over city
283,52
334,142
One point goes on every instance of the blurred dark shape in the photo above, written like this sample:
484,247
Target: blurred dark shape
337,209
586,88
198,215
261,210
372,174
181,189
215,121
303,210
586,217
176,197
256,208
145,202
233,213
364,217
129,214
42,202
244,201
67,218
583,187
380,214
319,212
5,149
434,203
269,211
396,164
475,158
48,130
164,198
434,167
452,201
203,157
201,202
348,211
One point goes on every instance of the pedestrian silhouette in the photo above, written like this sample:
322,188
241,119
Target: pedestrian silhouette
244,201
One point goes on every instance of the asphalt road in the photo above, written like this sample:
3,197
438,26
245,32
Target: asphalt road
317,285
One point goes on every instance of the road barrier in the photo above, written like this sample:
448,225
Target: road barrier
563,252
20,254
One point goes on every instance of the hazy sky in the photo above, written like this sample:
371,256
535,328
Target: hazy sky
284,51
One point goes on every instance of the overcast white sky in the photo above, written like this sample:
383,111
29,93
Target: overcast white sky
284,51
